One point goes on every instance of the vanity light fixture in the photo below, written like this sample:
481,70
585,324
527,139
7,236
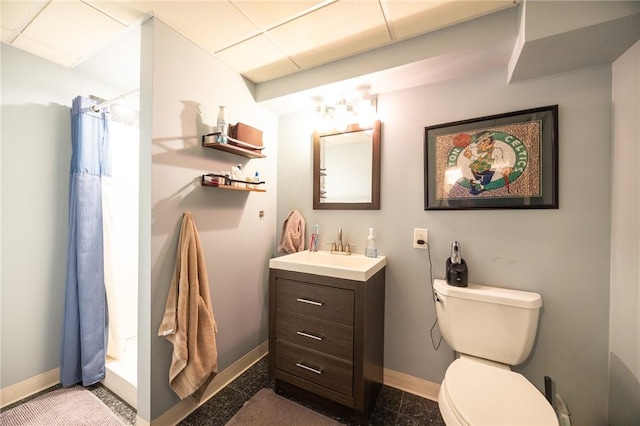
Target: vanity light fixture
343,111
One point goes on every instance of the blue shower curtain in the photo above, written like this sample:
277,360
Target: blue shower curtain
84,339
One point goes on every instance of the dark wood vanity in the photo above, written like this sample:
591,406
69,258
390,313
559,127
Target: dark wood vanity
326,340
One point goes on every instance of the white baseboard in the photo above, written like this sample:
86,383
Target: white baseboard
35,384
141,422
23,389
411,384
121,387
185,407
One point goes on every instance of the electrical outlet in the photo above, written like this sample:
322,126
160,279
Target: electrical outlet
420,234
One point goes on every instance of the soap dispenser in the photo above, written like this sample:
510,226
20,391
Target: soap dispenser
371,250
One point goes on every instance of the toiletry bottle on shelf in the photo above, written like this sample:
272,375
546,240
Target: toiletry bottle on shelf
222,125
371,250
235,174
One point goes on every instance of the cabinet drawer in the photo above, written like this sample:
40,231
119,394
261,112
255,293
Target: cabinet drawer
326,371
327,303
322,336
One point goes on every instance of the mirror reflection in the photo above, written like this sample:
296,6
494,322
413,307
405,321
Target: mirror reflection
340,156
347,168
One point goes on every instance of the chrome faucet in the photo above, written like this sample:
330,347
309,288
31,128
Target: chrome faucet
340,239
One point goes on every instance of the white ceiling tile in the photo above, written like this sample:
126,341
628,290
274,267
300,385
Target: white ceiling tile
255,52
119,11
257,59
144,6
338,30
213,25
73,27
410,18
261,39
15,15
265,14
45,51
6,32
271,71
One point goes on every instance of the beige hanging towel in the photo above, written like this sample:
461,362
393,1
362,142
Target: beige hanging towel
292,239
188,321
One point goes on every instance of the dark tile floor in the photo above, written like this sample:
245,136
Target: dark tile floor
393,408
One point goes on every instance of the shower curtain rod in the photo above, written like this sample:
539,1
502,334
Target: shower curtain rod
97,108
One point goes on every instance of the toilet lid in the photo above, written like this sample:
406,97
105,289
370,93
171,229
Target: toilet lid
483,394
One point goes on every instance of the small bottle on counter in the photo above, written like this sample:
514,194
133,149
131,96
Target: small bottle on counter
371,250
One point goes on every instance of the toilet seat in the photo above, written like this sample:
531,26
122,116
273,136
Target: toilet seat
479,393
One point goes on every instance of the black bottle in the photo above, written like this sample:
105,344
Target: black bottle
457,272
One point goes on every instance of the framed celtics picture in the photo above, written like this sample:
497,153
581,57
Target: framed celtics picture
505,161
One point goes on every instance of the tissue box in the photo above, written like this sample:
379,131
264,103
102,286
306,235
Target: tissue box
246,133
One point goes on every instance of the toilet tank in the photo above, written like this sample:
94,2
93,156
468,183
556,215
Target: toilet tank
493,323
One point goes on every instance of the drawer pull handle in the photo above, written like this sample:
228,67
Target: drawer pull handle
310,336
310,302
306,367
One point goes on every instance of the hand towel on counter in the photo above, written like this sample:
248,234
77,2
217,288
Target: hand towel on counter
292,239
188,321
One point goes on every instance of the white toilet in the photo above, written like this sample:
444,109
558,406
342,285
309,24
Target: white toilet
491,328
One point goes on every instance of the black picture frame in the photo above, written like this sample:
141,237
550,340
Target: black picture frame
503,161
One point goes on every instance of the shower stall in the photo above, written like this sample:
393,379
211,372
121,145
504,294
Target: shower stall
120,211
99,335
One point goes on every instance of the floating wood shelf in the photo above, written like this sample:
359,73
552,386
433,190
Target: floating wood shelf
233,146
233,188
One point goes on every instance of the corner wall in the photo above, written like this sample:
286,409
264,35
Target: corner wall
188,85
624,346
562,254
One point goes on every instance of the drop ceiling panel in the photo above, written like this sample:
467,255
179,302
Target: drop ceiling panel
259,57
6,33
70,27
261,39
332,33
16,15
266,14
45,51
213,25
413,18
119,11
271,71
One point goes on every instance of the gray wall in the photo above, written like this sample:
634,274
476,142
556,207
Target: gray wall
562,254
624,347
236,242
36,153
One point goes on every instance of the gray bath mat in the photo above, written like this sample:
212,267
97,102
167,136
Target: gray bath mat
266,408
72,406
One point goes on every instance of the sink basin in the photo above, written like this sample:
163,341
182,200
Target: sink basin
356,267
